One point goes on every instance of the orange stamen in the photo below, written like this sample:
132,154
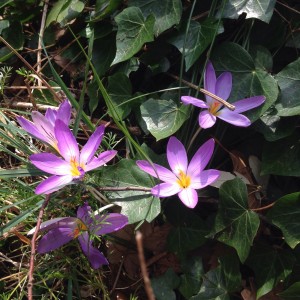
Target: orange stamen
184,181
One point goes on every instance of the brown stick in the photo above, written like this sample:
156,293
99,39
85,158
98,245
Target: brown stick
33,250
148,287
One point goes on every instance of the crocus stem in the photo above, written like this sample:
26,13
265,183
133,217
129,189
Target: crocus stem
193,138
33,250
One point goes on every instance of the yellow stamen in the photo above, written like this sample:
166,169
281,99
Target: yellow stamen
74,167
184,180
214,108
80,227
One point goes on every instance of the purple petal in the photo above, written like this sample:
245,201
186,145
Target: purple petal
165,189
51,116
201,159
50,163
210,81
248,103
67,144
95,257
31,129
65,222
64,112
204,179
54,239
52,184
194,101
102,159
84,214
206,119
108,223
223,85
189,197
89,149
156,171
176,156
233,118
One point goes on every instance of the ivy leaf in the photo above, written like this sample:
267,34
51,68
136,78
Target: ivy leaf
133,32
162,117
259,9
167,13
136,205
292,292
104,8
235,224
270,266
197,39
285,214
164,285
282,157
248,79
289,83
221,281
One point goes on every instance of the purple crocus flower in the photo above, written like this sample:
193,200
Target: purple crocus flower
42,126
221,87
74,164
183,179
63,230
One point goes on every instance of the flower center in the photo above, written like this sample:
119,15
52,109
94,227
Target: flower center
214,108
77,170
79,229
183,180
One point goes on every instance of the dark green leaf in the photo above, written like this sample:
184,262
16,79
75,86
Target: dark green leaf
13,173
133,32
270,265
285,214
164,285
289,83
105,8
167,13
282,157
262,58
197,39
235,224
136,205
248,79
163,117
292,292
260,9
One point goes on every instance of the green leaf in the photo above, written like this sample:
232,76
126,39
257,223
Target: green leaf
133,32
289,83
285,214
167,13
119,90
136,205
259,9
105,8
64,11
164,285
163,117
248,79
270,265
220,282
282,157
262,57
235,224
12,173
197,39
292,292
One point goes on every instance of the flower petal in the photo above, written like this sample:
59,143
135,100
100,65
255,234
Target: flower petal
204,179
67,144
64,112
189,197
54,239
95,257
201,159
31,129
223,85
44,126
248,103
108,223
102,159
89,149
233,118
50,163
53,184
194,101
206,119
210,81
156,171
176,156
51,116
84,214
165,189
